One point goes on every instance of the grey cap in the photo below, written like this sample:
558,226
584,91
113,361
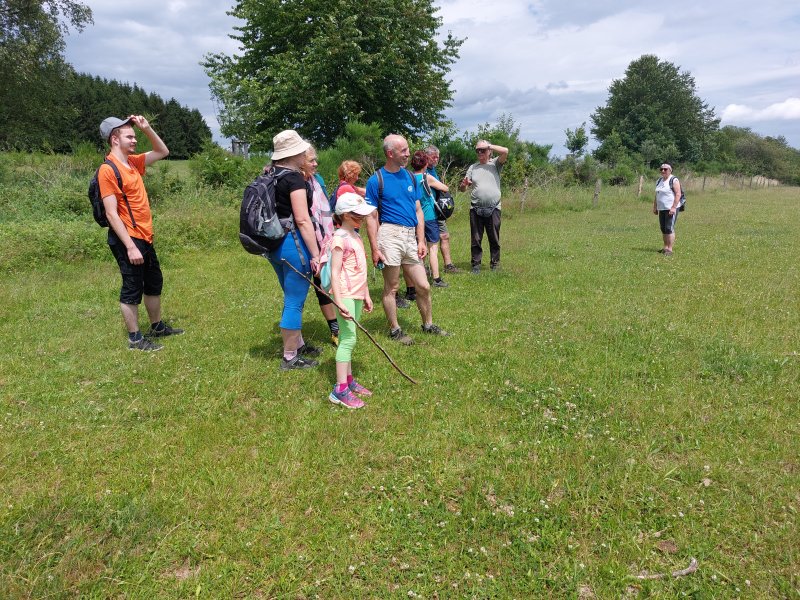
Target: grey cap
109,125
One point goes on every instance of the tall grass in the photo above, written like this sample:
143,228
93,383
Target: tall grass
600,411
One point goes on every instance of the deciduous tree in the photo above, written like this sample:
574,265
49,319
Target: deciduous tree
656,112
311,65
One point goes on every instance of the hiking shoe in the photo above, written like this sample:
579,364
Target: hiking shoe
345,398
411,296
335,339
401,302
398,336
163,331
434,329
144,345
667,252
440,283
359,389
309,350
298,362
476,270
451,268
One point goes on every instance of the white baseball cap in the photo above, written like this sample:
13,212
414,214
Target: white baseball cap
350,202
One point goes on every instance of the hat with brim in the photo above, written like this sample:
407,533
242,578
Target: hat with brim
288,143
110,124
353,203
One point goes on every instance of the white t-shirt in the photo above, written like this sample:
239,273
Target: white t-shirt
665,197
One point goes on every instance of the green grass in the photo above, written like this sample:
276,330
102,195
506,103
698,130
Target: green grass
600,411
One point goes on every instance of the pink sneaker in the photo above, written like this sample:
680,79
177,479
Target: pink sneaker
345,398
359,389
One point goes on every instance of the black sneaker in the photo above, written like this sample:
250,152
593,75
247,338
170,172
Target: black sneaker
398,336
309,350
298,362
164,331
144,345
440,283
451,268
401,302
434,329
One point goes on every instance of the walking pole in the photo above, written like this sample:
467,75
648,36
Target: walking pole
359,325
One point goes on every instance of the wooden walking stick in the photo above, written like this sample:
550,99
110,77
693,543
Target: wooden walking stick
359,325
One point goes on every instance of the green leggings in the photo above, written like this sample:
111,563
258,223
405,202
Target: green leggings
347,329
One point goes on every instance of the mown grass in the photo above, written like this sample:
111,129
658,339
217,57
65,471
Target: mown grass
600,411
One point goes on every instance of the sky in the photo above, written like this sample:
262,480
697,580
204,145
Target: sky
547,63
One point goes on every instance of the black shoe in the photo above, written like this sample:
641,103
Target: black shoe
451,268
401,302
144,345
163,331
298,362
440,283
434,329
309,350
398,336
476,270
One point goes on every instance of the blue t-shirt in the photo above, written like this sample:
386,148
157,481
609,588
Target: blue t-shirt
432,171
427,200
400,195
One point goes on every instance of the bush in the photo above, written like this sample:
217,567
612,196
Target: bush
217,167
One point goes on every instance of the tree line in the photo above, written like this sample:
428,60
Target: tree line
46,105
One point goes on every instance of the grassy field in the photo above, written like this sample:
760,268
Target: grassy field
600,412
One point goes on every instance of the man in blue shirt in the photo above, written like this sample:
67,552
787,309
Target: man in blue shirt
396,234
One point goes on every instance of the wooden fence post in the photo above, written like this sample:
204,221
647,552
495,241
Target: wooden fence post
596,193
524,195
704,183
641,182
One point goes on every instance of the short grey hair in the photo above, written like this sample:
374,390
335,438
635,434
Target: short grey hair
432,150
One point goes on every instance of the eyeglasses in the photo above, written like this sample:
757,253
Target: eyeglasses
481,150
665,169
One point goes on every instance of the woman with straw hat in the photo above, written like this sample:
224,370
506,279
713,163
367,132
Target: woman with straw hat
299,247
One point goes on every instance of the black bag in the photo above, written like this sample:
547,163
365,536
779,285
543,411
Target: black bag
443,205
485,211
260,228
98,208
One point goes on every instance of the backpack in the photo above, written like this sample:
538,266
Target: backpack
98,208
380,187
682,206
325,258
332,198
443,205
260,228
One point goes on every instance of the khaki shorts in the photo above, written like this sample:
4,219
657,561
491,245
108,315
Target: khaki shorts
398,245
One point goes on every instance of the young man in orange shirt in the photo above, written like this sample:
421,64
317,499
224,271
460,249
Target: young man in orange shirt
130,234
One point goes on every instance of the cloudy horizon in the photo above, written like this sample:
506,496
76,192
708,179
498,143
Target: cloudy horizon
547,64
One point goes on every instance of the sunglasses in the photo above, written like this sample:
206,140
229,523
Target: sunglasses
664,169
481,150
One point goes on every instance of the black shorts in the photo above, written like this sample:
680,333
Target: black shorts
667,221
136,279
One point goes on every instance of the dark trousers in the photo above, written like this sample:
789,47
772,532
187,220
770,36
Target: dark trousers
492,226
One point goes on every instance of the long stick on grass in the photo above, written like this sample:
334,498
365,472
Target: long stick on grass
359,325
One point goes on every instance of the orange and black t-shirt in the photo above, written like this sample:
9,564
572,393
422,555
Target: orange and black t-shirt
134,189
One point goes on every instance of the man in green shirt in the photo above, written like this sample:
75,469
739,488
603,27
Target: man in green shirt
484,213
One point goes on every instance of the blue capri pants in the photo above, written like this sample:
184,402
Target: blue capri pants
295,287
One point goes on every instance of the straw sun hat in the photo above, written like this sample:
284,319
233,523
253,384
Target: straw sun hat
288,143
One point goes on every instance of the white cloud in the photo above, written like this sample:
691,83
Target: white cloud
548,63
788,110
